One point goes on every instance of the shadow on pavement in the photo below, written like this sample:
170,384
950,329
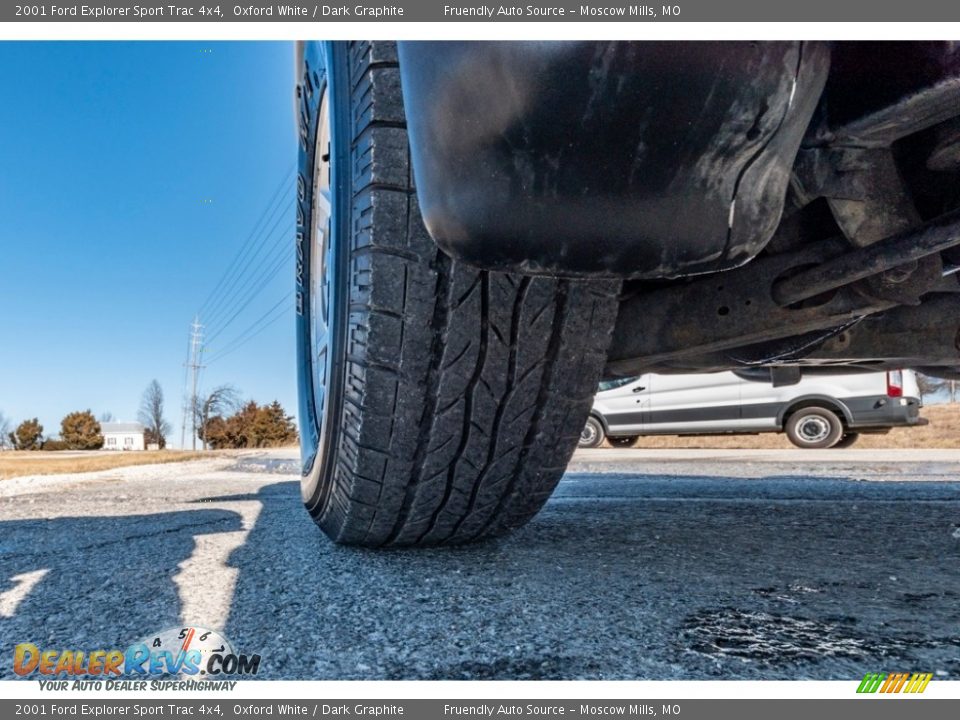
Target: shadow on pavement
621,577
97,582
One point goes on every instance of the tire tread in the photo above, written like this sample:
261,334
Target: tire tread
469,439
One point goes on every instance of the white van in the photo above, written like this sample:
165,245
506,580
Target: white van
820,411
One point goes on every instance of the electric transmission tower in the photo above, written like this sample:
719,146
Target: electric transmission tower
193,365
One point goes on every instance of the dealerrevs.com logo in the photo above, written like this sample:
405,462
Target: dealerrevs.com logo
187,652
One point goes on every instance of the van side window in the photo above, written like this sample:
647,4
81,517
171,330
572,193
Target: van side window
614,384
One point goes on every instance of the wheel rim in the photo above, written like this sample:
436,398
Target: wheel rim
588,435
321,324
813,429
320,282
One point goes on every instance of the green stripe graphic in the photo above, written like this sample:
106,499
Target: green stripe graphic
871,682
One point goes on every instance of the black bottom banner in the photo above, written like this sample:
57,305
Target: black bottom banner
875,708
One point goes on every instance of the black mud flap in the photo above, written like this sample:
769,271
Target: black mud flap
626,159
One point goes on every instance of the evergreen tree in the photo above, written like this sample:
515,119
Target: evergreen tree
81,431
28,435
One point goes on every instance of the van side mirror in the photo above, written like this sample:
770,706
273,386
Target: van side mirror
784,376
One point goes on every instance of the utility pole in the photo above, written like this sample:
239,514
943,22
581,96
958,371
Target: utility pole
184,402
194,365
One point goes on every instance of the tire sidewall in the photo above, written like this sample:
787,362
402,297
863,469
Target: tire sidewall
323,69
804,414
847,440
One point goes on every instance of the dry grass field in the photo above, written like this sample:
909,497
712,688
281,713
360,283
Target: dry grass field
18,464
942,432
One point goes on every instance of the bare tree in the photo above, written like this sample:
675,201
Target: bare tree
929,385
4,432
151,415
106,417
218,402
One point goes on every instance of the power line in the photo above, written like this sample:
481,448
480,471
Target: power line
254,335
243,282
252,330
229,276
248,242
256,263
253,262
276,264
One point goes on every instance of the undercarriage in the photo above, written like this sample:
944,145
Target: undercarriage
862,271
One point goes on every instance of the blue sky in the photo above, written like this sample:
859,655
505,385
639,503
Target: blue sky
131,174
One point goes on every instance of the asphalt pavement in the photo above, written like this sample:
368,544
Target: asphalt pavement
644,565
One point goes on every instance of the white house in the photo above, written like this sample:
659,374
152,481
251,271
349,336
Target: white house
122,436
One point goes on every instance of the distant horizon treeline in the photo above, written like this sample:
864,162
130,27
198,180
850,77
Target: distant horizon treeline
250,426
223,421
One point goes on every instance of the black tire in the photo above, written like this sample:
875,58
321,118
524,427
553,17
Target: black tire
847,440
439,403
623,440
814,428
591,435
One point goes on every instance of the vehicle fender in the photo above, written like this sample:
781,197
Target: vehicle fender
808,400
602,420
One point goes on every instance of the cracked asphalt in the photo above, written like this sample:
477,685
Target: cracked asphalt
644,565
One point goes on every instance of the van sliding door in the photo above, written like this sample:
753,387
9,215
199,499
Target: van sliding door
702,403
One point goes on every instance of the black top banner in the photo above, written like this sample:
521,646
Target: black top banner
434,11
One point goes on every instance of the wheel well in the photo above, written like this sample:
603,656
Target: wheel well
825,403
600,419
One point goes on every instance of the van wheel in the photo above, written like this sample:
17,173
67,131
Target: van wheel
814,428
592,434
847,440
623,440
439,403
